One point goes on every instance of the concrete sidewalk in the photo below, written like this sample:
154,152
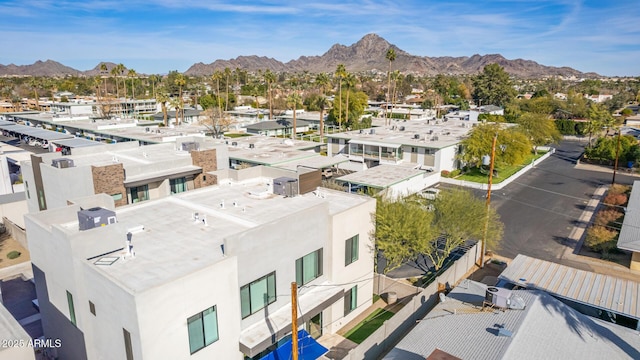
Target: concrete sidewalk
576,240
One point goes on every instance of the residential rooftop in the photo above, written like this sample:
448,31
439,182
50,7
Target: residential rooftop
435,133
545,329
383,176
168,239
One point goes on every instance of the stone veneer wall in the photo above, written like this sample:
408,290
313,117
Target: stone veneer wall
109,179
208,161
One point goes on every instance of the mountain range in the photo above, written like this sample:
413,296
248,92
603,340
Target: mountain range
368,54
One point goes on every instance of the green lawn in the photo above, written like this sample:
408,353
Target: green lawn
504,172
368,326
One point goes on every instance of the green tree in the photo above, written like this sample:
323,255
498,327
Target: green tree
458,217
539,129
227,75
403,230
207,101
512,146
132,75
104,71
493,86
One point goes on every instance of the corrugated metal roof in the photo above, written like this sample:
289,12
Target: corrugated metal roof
606,292
629,238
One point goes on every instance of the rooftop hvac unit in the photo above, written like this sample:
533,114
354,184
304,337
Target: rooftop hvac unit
190,146
361,131
285,186
252,146
372,131
503,298
62,163
95,217
401,128
234,143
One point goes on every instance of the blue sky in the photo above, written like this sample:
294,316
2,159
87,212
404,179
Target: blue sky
155,36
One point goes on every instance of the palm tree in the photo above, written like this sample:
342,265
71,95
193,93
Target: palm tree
341,71
294,100
180,81
34,84
322,80
177,105
349,82
227,74
163,98
120,73
132,74
270,78
391,56
217,75
104,71
395,76
114,72
153,78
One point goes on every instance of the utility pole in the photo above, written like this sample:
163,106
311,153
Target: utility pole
294,320
488,203
615,166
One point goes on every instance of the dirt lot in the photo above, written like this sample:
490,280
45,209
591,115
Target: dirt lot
8,244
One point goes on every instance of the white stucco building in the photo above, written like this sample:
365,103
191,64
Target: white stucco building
209,272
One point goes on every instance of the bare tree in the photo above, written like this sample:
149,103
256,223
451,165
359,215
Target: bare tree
216,121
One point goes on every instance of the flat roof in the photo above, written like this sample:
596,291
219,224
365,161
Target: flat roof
606,292
315,162
36,132
383,176
171,236
76,142
629,238
435,134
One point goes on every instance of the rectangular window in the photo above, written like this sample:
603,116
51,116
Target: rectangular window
128,349
350,300
203,329
72,310
178,185
257,294
351,250
139,193
309,267
92,308
117,196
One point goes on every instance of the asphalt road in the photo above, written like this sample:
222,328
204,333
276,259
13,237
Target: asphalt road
540,208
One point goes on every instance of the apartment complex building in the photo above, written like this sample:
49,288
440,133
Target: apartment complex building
202,274
126,171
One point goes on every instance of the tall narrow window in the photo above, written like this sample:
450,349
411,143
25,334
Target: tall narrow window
257,294
72,310
350,300
139,193
309,267
203,329
351,250
128,349
178,185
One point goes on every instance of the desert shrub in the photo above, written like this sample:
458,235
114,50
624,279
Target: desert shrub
608,216
619,189
13,254
616,199
445,173
600,238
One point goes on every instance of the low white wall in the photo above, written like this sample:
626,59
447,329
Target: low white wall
392,330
